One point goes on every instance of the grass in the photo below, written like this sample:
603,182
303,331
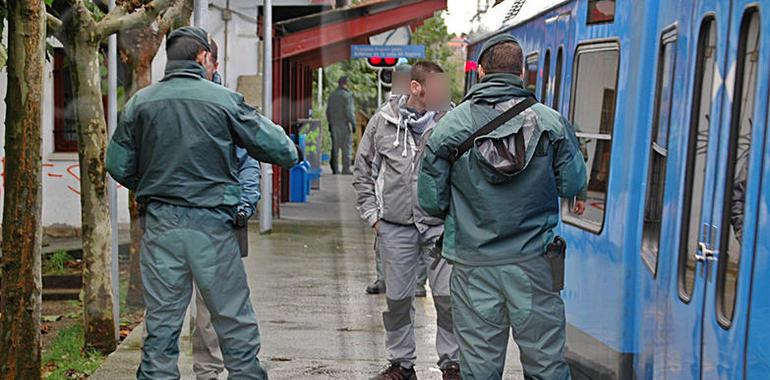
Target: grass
66,358
56,263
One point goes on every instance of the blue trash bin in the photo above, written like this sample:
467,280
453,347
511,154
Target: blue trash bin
298,183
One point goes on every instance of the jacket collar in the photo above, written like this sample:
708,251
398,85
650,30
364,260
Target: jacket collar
184,68
496,88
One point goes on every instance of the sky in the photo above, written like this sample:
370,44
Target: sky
459,14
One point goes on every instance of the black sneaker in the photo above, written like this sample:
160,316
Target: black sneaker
420,292
377,288
396,372
451,372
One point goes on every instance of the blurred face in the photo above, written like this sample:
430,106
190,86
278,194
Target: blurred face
435,93
401,83
207,60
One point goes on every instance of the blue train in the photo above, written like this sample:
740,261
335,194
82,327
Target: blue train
669,265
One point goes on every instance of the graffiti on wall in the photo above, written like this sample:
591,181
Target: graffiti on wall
63,173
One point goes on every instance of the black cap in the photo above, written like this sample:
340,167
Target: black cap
498,39
193,32
343,80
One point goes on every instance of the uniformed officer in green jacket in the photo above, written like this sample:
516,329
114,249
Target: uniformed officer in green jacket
175,146
500,203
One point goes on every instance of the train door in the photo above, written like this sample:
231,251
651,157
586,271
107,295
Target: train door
706,329
729,249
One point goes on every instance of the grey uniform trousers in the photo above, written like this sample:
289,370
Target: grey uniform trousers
182,245
342,140
490,302
401,247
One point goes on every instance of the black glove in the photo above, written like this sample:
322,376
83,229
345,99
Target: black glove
241,219
300,154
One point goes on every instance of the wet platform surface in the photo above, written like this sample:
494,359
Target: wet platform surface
307,280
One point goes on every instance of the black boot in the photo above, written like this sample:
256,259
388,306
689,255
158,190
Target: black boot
396,372
378,287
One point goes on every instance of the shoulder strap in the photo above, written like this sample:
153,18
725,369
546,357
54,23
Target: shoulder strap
491,126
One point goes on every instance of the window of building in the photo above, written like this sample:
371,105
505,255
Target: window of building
593,115
698,142
734,198
601,11
557,79
530,75
656,175
64,130
546,77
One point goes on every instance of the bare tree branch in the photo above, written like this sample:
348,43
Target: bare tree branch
177,15
119,18
54,25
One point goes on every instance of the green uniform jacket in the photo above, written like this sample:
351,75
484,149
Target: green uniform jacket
494,217
176,141
340,111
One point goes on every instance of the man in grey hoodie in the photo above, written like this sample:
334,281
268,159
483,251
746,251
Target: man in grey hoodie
385,179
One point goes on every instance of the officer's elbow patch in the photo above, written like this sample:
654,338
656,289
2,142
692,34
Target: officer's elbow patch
428,196
118,162
572,179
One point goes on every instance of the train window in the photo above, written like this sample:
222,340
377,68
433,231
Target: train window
656,175
601,11
593,114
530,75
734,197
695,175
546,77
557,79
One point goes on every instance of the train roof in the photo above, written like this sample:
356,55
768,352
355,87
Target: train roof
510,13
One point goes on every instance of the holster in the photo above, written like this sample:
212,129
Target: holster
556,253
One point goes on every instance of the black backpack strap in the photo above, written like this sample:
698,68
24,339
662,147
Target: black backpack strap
491,126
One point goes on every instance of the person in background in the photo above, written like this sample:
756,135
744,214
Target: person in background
510,160
341,115
180,160
207,354
402,79
385,181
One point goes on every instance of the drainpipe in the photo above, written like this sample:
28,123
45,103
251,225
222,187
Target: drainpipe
201,14
227,15
266,212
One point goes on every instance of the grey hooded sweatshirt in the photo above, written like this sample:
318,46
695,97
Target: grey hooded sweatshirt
387,166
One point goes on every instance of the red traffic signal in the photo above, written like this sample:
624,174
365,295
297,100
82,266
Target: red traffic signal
380,62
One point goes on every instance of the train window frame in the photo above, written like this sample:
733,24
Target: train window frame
546,77
725,320
584,47
704,53
532,58
558,77
659,145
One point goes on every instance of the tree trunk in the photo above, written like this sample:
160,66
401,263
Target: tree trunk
137,48
98,300
20,297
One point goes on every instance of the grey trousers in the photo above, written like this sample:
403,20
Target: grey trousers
207,355
342,140
422,269
401,248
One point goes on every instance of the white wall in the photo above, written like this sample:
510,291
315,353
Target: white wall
61,184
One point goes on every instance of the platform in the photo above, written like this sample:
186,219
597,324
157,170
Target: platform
307,280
